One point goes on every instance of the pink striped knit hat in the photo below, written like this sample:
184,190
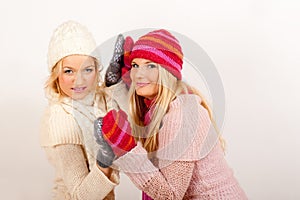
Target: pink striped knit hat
161,47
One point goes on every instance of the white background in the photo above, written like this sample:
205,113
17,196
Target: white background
254,44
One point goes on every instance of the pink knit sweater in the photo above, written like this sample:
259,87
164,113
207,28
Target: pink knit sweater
189,164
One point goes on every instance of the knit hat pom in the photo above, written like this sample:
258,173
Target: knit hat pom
161,47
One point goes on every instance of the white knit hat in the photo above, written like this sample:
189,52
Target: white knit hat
70,38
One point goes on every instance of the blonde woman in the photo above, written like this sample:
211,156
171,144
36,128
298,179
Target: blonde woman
170,123
75,101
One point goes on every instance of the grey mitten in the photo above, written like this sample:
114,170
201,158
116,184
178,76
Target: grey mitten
114,71
105,155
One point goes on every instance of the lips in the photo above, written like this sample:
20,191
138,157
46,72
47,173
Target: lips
78,89
141,84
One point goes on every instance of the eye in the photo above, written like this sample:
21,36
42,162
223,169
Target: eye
134,65
89,69
68,71
150,66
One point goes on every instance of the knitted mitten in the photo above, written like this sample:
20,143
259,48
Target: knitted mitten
114,70
116,131
105,154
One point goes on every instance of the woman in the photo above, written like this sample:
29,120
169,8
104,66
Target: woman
170,122
75,101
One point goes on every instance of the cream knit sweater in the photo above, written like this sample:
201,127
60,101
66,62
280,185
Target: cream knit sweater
67,138
189,164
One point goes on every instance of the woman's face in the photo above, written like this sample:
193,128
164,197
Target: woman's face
144,75
78,76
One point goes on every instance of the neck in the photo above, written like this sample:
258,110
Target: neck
149,102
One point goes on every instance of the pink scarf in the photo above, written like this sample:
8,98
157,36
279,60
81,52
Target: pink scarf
146,197
149,111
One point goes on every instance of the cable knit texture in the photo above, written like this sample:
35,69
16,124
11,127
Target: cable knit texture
70,38
181,171
67,137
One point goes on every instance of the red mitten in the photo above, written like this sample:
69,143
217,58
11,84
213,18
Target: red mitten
116,131
128,44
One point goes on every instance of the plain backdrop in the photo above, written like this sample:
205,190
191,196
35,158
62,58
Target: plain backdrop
254,45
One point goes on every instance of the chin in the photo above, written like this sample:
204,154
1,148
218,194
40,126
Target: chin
79,96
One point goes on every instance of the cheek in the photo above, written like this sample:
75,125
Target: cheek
92,79
154,89
65,80
153,77
132,74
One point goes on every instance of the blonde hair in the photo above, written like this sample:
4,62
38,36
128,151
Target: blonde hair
52,84
168,88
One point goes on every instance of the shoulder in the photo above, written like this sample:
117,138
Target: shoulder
184,128
188,105
56,113
186,112
58,126
185,101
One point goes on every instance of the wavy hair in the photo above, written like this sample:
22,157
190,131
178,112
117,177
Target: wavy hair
168,88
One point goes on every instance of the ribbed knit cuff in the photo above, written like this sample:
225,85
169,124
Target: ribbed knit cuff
137,165
97,178
108,183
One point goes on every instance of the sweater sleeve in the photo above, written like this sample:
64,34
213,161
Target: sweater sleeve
170,181
81,183
59,127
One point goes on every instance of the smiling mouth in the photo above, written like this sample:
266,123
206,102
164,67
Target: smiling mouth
141,84
78,89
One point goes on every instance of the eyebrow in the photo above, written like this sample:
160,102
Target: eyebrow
145,62
67,67
74,68
89,66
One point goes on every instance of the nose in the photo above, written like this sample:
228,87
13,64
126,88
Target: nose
79,78
140,72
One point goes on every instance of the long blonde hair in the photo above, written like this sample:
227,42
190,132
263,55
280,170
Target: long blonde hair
168,88
52,83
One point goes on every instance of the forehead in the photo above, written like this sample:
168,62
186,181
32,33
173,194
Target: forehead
77,61
141,61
